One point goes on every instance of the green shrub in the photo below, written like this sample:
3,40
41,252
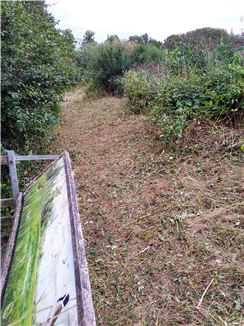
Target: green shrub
104,64
37,68
145,53
83,59
171,99
202,47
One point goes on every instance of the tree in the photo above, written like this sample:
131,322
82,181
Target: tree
108,63
207,38
32,6
145,38
88,37
135,39
69,38
112,38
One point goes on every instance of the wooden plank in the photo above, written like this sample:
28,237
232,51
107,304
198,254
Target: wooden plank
86,313
4,159
13,175
2,251
8,256
36,157
6,220
7,202
18,158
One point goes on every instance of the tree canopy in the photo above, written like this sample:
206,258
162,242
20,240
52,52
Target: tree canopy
88,37
112,38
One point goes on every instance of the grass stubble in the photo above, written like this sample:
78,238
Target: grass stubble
164,228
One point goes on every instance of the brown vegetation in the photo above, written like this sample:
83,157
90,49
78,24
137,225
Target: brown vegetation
161,225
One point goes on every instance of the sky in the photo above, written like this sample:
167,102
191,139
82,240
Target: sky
158,18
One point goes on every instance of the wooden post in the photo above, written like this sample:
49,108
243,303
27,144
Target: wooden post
13,175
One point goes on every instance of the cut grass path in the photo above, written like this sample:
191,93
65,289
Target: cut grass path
160,226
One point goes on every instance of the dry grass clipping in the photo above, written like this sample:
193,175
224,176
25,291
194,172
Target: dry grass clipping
160,226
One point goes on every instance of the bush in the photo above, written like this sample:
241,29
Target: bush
172,99
203,47
83,59
145,53
108,61
36,70
103,65
37,67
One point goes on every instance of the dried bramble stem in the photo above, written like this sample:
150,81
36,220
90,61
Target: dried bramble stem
200,301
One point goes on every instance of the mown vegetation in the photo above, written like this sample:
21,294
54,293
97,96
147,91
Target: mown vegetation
161,224
163,220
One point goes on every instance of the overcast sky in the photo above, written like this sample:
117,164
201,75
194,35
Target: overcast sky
158,18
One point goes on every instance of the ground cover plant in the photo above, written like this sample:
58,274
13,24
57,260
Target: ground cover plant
164,227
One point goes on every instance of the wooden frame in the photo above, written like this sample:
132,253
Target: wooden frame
19,158
85,310
11,159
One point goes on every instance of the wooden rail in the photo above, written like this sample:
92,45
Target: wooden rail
11,159
8,202
19,158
